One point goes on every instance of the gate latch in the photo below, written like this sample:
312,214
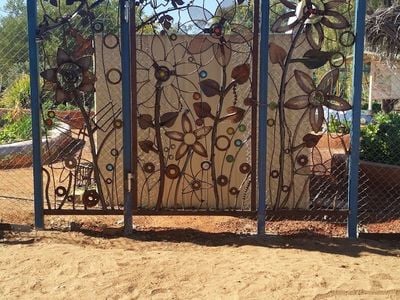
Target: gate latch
127,8
130,179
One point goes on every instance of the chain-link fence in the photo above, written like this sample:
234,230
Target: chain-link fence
16,177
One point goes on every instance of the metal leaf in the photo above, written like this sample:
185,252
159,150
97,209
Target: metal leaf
241,73
314,58
235,114
210,87
311,140
202,110
147,146
168,119
145,121
277,54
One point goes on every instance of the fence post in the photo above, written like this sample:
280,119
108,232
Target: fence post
262,118
352,222
126,112
35,111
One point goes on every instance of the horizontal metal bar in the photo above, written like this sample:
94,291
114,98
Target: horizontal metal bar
288,214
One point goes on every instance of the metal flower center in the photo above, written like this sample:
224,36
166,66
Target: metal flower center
189,139
216,30
316,98
315,13
70,76
196,185
162,74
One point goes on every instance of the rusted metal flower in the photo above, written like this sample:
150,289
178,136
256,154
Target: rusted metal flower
189,138
217,30
70,78
165,67
313,15
317,97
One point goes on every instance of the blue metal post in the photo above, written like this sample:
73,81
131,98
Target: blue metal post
352,222
262,118
35,110
126,112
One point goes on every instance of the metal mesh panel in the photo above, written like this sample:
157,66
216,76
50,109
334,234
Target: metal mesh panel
16,178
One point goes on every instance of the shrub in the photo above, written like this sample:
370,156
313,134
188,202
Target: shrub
15,130
380,140
17,94
336,125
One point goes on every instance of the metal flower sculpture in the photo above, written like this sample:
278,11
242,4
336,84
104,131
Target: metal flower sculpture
70,77
218,30
317,97
189,138
313,15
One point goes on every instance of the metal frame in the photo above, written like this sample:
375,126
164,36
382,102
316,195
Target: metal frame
35,108
263,109
126,111
129,117
352,222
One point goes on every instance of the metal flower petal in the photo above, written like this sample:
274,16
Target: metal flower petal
337,103
199,149
304,81
297,102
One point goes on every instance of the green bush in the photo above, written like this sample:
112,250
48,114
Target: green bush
15,130
335,125
380,141
376,107
17,95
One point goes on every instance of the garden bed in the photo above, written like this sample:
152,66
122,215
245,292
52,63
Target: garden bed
19,154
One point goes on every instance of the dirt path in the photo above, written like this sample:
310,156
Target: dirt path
187,264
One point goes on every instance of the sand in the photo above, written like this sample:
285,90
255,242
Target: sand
192,264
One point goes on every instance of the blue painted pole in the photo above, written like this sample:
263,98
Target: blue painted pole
35,110
262,118
126,113
352,222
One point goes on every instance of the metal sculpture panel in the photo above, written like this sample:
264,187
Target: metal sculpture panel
309,104
82,143
196,104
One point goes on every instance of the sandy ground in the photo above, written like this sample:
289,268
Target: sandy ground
182,263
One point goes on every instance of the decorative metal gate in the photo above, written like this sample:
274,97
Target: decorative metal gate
196,93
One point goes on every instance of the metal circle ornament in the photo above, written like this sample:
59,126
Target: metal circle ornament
206,165
98,27
110,41
223,143
61,191
118,123
234,191
347,38
149,168
222,180
337,59
245,168
173,171
70,163
90,198
114,76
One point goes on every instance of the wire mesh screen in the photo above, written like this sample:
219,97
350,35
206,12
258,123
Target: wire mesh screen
308,100
16,178
81,105
379,196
